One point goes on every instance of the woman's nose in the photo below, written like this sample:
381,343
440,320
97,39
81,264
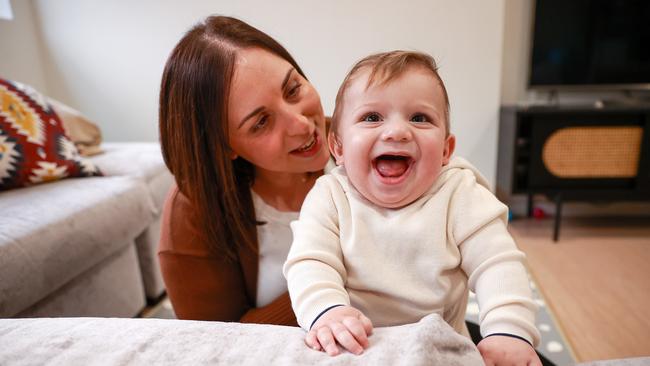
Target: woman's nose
298,124
396,130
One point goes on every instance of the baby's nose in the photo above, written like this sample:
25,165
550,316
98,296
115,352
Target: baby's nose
397,131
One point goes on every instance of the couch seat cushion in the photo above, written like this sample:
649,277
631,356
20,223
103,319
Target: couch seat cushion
142,160
51,233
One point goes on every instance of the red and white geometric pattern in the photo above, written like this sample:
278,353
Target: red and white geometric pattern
33,145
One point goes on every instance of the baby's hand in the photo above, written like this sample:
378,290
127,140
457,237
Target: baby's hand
504,350
343,324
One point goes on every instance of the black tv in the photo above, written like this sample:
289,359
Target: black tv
591,44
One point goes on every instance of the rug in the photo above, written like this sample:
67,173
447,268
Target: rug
552,345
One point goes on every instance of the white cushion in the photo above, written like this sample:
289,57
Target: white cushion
89,341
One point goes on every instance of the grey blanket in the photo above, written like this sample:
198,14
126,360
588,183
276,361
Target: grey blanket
116,341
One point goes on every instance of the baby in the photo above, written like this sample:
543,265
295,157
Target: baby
399,229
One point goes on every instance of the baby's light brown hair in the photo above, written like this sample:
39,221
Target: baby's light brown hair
385,67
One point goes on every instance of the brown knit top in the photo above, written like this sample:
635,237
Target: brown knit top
204,286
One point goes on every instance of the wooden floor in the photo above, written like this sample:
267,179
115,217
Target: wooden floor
595,280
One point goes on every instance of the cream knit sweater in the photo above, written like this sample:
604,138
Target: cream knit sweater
399,265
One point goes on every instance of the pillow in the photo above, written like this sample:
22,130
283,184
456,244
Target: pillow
87,136
34,147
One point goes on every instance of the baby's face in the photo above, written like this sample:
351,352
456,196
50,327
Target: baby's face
391,137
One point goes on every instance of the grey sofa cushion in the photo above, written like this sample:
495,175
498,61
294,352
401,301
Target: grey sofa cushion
147,245
144,161
111,288
139,160
87,219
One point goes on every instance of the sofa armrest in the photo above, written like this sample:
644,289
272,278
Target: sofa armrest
115,341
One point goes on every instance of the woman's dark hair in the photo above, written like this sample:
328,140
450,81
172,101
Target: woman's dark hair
193,114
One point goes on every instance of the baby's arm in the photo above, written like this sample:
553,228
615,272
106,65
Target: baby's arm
505,300
343,324
314,268
496,271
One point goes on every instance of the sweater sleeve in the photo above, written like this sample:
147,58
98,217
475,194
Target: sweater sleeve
314,268
277,312
202,285
493,263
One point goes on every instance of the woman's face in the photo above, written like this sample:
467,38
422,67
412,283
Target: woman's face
275,117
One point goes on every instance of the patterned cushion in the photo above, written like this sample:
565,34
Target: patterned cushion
33,145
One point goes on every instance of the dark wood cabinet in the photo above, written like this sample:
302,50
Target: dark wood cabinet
574,154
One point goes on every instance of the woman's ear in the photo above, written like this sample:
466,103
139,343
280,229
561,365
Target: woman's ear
450,145
335,147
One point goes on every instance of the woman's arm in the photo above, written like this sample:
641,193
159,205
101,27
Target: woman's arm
202,285
201,288
277,312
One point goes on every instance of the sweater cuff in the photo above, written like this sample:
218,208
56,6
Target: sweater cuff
323,312
308,311
509,335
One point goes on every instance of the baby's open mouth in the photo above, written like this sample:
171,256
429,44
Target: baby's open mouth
392,166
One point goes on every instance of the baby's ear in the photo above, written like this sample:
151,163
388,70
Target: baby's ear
335,147
450,145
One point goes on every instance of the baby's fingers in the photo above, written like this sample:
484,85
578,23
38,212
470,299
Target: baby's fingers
312,341
357,329
346,339
367,324
326,340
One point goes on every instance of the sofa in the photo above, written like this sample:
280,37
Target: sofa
85,246
92,341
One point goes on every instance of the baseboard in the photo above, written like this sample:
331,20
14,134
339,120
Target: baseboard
517,205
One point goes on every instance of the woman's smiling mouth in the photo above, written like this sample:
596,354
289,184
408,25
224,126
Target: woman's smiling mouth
310,148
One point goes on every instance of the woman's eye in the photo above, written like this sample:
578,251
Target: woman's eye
260,124
371,117
295,90
420,118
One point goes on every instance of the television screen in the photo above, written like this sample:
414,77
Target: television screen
586,43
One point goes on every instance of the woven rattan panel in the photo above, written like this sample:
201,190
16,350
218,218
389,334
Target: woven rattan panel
593,152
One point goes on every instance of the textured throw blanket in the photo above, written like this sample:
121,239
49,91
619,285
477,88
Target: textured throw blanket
114,341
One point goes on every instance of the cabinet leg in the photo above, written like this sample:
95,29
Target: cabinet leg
558,215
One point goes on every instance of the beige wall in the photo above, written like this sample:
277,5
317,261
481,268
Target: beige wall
20,43
106,57
517,30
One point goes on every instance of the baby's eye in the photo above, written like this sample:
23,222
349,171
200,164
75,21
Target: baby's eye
420,118
371,117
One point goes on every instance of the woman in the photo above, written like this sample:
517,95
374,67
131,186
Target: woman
243,133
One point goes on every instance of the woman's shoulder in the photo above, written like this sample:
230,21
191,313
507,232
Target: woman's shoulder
178,233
